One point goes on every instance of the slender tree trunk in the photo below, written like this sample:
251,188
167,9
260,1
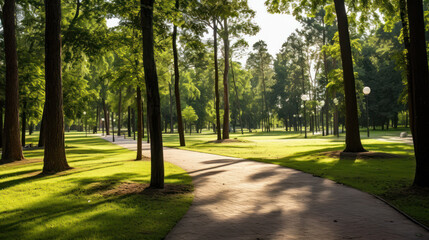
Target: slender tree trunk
55,155
219,137
23,124
353,143
225,134
153,98
119,113
171,109
420,89
106,117
42,133
176,85
140,127
129,121
97,118
12,149
143,119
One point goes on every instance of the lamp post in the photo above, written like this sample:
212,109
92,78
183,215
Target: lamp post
86,132
367,91
102,125
305,98
336,117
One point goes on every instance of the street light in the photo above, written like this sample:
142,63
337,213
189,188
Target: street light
86,132
305,98
336,116
102,125
367,91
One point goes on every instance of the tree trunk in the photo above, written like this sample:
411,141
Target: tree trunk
171,109
106,117
1,124
420,84
405,34
219,137
225,134
97,119
129,121
153,98
176,85
140,126
23,124
353,143
119,113
42,133
55,155
12,149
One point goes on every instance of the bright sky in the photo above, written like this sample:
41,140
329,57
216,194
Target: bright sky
274,28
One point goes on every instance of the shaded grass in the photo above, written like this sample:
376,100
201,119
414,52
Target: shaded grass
389,178
71,204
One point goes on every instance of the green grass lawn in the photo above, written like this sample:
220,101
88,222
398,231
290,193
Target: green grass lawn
388,178
94,200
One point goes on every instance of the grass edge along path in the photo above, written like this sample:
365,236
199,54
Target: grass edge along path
102,197
389,179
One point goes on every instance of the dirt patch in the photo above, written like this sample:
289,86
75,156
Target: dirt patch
228,141
361,155
128,188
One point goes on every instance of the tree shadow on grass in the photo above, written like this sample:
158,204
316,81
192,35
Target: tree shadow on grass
84,212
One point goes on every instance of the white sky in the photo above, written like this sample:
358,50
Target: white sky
274,28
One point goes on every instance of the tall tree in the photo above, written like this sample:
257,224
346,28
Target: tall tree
217,98
55,156
12,149
153,98
420,83
176,84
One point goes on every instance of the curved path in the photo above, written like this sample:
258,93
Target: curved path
242,199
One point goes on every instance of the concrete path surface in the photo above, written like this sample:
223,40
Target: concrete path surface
242,199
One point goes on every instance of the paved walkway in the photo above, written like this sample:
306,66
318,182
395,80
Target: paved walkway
241,199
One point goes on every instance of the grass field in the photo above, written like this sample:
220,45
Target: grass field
96,199
388,178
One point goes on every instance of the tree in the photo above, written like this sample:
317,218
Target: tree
189,116
12,149
420,83
55,156
153,99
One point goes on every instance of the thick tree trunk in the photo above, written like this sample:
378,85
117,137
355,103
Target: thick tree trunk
55,155
219,136
106,117
153,98
225,134
23,124
140,126
12,149
420,89
176,85
119,113
129,121
353,143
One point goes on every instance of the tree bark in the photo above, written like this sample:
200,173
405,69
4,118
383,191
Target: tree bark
420,84
176,85
353,143
171,109
225,134
97,118
55,156
139,124
219,137
1,124
12,149
153,98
